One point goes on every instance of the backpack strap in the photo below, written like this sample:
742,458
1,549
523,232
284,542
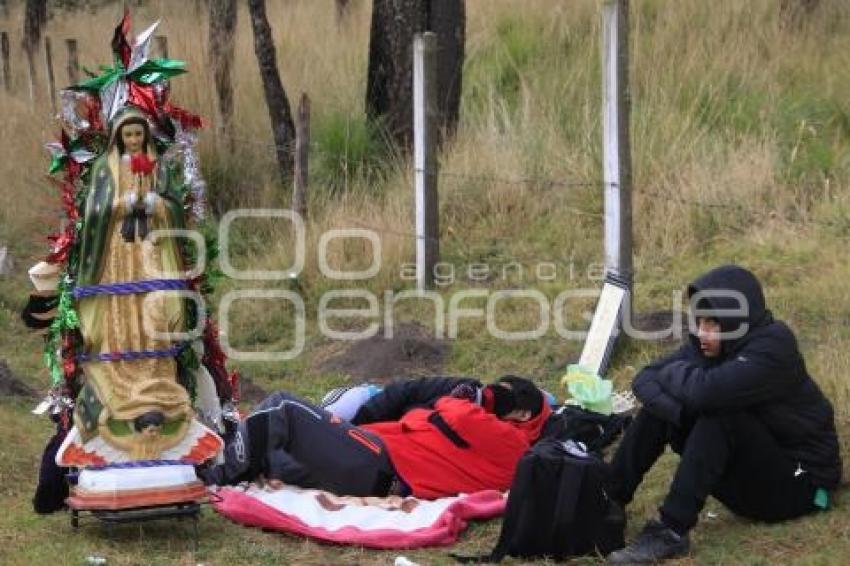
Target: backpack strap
436,419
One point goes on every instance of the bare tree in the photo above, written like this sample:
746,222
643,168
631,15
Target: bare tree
342,7
448,21
35,19
276,99
389,94
223,14
793,13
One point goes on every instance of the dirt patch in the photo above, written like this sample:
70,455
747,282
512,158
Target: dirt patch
11,386
412,351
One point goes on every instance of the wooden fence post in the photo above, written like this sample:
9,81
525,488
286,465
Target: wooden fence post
4,53
162,46
425,111
302,151
48,67
73,61
33,78
222,46
342,7
616,141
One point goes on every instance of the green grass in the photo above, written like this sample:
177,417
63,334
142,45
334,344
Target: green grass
725,539
728,107
348,150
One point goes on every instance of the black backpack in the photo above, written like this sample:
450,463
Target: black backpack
558,507
596,431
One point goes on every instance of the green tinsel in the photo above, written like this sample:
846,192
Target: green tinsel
66,320
187,365
147,73
57,163
155,70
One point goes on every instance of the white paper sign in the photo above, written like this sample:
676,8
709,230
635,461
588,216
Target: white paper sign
603,327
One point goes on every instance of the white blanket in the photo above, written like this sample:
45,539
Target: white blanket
375,522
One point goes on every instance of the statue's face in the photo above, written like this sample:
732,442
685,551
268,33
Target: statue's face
133,136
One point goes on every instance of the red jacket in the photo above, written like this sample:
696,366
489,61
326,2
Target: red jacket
483,457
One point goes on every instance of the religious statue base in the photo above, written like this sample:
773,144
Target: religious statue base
136,484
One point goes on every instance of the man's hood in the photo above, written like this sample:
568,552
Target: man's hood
733,296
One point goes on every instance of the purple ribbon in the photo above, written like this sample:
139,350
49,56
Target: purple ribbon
130,287
129,355
138,464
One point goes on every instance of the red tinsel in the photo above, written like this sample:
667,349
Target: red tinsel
60,245
120,46
214,360
141,164
212,349
72,170
68,195
69,364
93,114
143,97
186,118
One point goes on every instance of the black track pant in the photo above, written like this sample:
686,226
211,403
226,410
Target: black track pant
290,439
732,457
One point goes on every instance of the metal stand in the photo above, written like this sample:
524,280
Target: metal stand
188,510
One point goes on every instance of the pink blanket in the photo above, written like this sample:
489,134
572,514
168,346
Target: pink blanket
374,522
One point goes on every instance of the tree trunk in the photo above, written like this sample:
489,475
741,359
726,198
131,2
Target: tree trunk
223,15
448,21
276,100
35,19
792,13
389,91
342,7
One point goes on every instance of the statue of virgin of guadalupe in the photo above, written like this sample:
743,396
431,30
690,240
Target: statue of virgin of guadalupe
132,406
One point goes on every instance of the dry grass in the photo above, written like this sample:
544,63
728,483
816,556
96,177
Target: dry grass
730,109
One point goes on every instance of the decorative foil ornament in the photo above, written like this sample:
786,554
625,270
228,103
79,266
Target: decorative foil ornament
229,412
186,140
113,97
141,48
75,105
55,402
161,91
82,155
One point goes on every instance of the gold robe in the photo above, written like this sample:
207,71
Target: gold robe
114,323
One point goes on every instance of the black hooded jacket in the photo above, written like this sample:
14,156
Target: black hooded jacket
403,395
761,371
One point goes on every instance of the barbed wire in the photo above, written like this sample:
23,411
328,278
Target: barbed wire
566,201
539,181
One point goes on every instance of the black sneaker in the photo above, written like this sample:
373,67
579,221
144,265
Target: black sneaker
656,542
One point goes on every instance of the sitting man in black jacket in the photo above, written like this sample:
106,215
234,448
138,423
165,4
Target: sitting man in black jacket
752,427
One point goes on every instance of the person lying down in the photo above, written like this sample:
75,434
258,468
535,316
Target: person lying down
432,448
